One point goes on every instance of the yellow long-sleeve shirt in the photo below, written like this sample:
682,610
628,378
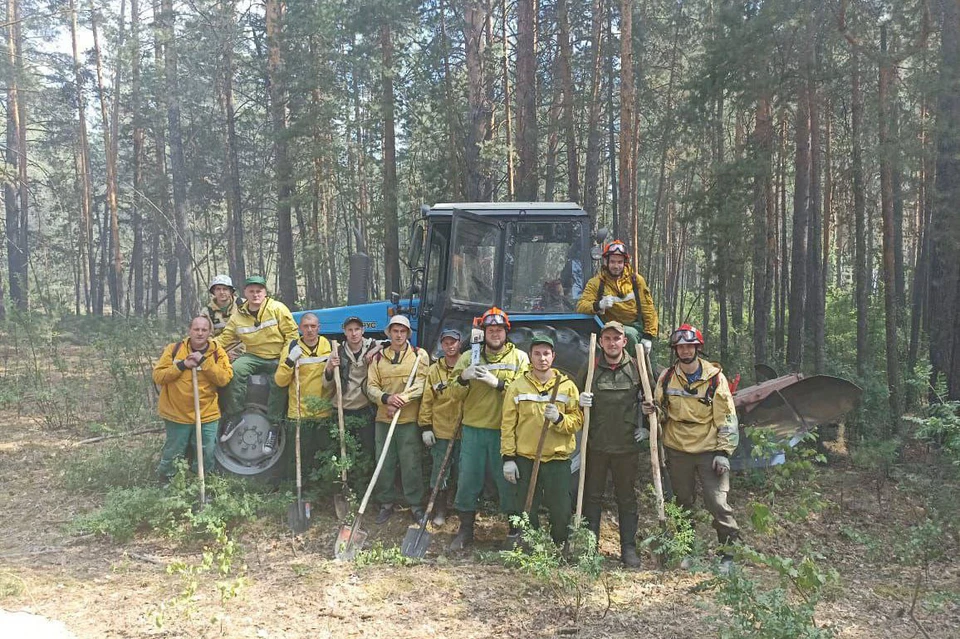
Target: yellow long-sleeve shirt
440,409
263,333
311,363
176,382
523,418
482,404
387,375
691,424
624,309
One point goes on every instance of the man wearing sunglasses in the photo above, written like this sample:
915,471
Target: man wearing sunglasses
618,293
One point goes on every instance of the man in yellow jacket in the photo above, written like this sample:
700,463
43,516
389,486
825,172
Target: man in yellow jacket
480,386
619,293
386,379
700,431
309,353
264,326
173,373
439,417
526,407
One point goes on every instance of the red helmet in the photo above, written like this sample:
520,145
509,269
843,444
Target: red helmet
494,317
686,334
616,247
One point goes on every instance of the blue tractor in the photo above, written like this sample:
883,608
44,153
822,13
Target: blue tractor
530,259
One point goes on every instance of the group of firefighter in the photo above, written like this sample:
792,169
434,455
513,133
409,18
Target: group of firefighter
491,411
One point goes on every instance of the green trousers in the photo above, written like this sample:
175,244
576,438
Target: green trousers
314,439
182,438
404,455
684,468
235,393
437,453
552,490
480,457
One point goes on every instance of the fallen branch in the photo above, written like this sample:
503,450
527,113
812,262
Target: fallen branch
147,558
146,431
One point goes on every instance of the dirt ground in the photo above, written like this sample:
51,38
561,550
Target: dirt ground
293,588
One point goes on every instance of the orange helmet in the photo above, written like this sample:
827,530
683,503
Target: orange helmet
616,247
686,334
493,317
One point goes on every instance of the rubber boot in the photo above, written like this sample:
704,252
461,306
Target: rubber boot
440,509
464,537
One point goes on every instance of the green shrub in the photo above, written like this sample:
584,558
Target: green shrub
678,540
379,555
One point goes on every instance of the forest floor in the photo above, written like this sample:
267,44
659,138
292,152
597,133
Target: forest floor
291,586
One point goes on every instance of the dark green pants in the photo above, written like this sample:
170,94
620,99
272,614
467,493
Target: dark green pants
480,457
314,439
624,467
180,439
235,393
552,490
684,468
437,453
404,455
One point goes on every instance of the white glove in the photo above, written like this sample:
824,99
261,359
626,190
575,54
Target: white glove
721,464
488,378
647,345
510,472
640,433
295,353
472,371
429,439
551,412
586,400
606,302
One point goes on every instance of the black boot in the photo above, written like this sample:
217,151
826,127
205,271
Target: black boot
464,537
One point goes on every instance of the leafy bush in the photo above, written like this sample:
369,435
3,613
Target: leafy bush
678,540
379,555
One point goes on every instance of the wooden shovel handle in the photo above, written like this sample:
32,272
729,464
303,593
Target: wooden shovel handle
591,367
654,433
199,437
340,421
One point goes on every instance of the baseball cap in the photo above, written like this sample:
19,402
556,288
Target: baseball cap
352,318
542,339
255,279
615,325
451,332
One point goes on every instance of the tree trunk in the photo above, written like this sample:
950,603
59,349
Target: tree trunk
178,167
816,300
592,170
528,172
784,265
611,123
479,183
136,215
762,275
628,200
16,187
569,96
507,102
231,169
391,231
286,265
860,217
798,268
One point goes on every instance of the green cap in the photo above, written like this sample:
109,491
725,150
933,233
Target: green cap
541,339
255,279
614,325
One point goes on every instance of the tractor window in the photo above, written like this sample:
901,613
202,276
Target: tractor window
543,271
437,266
473,262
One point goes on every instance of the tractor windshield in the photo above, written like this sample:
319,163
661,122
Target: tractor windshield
474,261
543,270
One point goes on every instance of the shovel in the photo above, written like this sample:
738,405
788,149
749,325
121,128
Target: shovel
298,515
654,443
341,501
528,504
199,437
591,366
350,539
417,539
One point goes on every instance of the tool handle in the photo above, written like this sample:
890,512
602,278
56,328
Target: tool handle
340,421
591,368
199,437
386,443
654,433
443,468
543,437
296,381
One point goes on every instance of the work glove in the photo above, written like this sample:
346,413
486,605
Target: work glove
721,464
586,400
472,371
510,472
606,303
488,378
552,413
648,408
429,439
647,345
640,433
295,353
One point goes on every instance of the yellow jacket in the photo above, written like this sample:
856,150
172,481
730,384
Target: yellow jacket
693,424
440,411
312,363
625,310
176,382
482,404
387,375
264,333
523,418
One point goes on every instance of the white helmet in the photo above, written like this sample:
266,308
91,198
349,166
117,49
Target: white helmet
221,280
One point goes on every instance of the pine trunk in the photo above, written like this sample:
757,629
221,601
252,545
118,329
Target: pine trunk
391,231
528,171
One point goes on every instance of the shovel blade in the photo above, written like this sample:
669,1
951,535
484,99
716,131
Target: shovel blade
415,542
298,517
342,506
350,540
